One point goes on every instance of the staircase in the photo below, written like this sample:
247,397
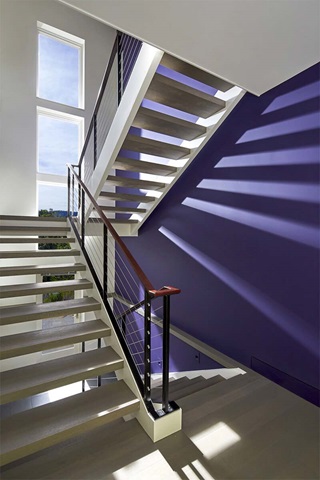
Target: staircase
24,339
182,108
184,386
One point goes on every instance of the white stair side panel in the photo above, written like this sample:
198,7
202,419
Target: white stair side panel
140,79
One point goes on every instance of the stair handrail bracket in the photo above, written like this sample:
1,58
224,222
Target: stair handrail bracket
118,275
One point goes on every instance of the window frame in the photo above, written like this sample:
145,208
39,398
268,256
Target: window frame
71,40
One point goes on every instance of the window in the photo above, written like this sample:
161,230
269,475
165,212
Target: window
60,66
52,197
59,138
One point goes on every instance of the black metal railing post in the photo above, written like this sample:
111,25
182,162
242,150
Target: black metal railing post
147,347
120,67
95,148
72,196
105,263
69,192
83,218
165,353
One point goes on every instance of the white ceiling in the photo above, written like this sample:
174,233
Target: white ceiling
255,44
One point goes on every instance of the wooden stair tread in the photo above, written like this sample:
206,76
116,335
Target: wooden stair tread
94,220
33,379
122,163
134,183
64,268
127,197
154,147
36,240
19,290
196,73
122,209
177,95
25,313
35,429
167,124
40,253
124,221
32,218
32,230
38,340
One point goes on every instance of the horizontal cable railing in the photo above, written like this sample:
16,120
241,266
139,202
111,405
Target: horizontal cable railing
118,276
122,60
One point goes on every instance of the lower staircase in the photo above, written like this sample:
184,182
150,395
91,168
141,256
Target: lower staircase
24,339
184,386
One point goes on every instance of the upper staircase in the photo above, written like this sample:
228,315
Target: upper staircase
175,111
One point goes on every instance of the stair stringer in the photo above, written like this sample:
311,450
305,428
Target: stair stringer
156,429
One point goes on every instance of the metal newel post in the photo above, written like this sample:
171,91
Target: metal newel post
83,196
147,347
165,353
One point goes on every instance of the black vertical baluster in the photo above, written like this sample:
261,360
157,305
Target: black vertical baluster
165,353
123,325
72,196
83,197
79,189
94,141
120,66
147,347
69,192
83,349
99,377
105,263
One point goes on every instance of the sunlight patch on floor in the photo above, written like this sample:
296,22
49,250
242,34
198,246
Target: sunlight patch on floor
152,466
215,439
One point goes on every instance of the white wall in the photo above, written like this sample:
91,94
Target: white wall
18,155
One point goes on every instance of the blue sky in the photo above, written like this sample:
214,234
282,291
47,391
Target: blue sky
58,76
58,79
57,144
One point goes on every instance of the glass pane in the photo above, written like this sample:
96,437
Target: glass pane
58,71
58,144
53,198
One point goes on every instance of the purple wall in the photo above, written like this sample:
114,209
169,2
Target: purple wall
238,233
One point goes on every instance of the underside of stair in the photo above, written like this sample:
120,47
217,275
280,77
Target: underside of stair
177,95
189,70
167,124
127,197
143,167
154,147
41,427
40,253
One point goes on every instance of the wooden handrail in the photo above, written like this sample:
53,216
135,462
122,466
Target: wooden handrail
136,267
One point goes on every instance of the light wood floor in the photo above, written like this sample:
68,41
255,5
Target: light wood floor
244,428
